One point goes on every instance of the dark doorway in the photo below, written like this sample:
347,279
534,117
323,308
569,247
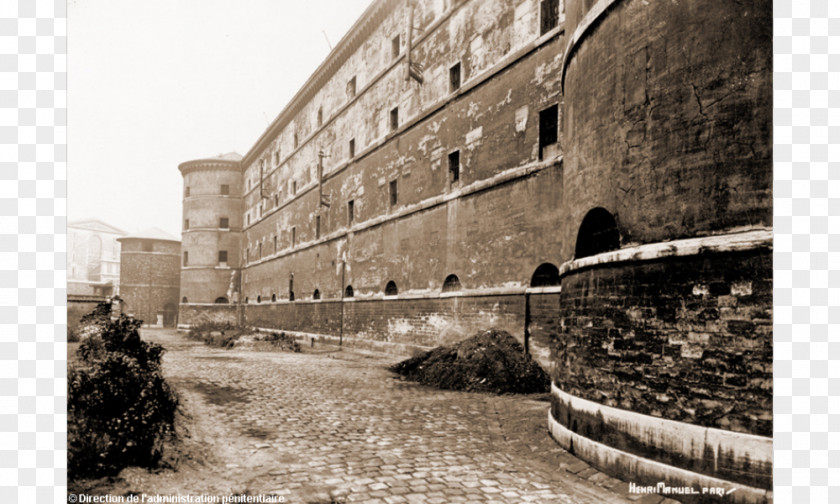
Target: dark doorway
545,275
598,233
451,284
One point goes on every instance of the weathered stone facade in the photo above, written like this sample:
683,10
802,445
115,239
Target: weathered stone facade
595,180
150,277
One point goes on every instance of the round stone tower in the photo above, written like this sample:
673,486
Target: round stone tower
212,226
663,367
150,276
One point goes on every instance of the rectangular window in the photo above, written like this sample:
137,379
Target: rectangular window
186,258
454,77
294,237
455,166
548,128
549,15
351,212
187,192
223,257
395,118
147,246
224,223
351,88
395,47
275,244
320,116
294,186
186,224
393,190
249,218
317,226
259,254
247,255
277,199
276,157
296,140
225,189
352,148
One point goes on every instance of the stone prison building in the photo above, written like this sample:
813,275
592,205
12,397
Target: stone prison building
592,176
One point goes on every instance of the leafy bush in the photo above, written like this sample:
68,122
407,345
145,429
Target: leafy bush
120,409
90,323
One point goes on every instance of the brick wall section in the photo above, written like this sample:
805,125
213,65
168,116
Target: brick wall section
687,339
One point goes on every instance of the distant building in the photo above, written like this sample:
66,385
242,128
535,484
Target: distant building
93,258
150,276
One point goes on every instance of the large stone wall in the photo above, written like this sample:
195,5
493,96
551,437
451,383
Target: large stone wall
437,227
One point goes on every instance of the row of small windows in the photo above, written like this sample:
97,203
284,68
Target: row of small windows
548,138
223,258
219,300
390,289
224,223
598,233
549,18
224,190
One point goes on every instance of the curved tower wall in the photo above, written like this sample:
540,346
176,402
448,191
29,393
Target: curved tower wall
664,347
212,192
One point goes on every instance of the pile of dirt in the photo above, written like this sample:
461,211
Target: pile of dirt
489,361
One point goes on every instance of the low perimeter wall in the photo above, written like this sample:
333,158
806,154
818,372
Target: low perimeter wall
80,305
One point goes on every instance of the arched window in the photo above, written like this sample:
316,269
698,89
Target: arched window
316,294
273,298
259,299
348,292
220,300
184,299
545,275
391,289
598,233
451,284
246,299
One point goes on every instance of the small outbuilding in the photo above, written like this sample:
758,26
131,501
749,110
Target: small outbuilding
150,276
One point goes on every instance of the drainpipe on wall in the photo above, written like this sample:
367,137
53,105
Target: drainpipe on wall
527,320
341,325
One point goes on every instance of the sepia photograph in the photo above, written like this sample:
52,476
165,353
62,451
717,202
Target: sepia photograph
420,251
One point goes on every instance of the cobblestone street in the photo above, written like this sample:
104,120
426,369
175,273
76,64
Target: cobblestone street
334,425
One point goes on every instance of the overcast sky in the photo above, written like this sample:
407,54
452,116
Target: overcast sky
153,83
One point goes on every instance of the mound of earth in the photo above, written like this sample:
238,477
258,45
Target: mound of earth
489,361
